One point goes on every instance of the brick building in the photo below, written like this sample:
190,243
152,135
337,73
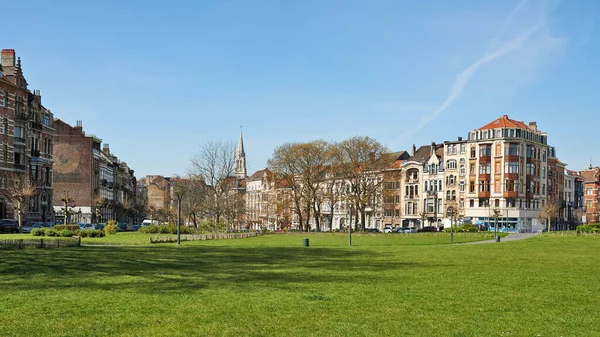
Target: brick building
98,186
591,178
26,141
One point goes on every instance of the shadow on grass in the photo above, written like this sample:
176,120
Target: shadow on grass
172,269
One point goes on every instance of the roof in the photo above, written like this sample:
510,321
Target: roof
590,175
505,122
258,175
424,153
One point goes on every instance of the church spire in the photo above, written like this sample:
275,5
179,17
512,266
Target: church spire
240,159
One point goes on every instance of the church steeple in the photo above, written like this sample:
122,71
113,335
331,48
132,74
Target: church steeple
240,159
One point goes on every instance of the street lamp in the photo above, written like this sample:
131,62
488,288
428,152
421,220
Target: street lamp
350,227
496,215
451,212
179,194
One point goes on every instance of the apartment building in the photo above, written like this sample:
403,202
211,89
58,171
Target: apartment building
26,141
507,175
455,179
591,181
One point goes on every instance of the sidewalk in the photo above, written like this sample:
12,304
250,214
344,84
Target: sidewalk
510,237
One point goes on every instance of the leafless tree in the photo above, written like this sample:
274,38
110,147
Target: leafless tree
362,160
20,191
547,213
98,203
215,165
68,198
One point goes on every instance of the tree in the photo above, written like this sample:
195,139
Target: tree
549,211
362,160
195,193
215,165
98,203
20,191
67,197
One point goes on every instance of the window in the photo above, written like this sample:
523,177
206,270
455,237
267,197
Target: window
543,189
471,203
451,165
472,169
433,169
498,133
5,125
397,212
511,150
461,186
397,199
473,153
46,120
4,100
484,186
453,195
485,168
447,195
471,186
426,187
510,185
589,191
440,185
451,180
511,167
485,150
463,148
462,170
5,152
544,156
461,203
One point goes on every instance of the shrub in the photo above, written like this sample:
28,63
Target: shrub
66,233
96,233
72,228
84,233
165,229
466,228
111,227
50,232
37,232
591,228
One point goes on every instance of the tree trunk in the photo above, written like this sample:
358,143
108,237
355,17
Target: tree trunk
317,215
548,224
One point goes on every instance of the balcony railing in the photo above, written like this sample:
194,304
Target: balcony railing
35,153
19,140
21,167
20,115
36,126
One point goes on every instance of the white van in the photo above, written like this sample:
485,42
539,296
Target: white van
148,222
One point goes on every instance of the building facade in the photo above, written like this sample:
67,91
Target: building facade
26,148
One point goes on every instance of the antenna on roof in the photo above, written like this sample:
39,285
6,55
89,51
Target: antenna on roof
590,163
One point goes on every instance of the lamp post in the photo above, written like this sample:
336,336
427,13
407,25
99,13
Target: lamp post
451,211
350,227
179,194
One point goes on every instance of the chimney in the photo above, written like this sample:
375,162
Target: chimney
106,148
79,125
432,148
414,149
533,126
8,57
460,139
505,116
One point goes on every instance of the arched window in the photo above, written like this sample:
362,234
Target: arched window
451,165
462,170
451,179
447,195
440,184
453,195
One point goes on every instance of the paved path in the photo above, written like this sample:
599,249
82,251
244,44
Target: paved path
510,237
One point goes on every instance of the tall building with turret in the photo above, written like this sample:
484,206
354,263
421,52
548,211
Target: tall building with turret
240,160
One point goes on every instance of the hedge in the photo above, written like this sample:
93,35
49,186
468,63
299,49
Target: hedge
73,228
164,229
591,228
466,228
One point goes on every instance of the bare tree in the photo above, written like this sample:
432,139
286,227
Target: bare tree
98,203
195,194
547,213
68,198
215,165
286,167
20,191
362,160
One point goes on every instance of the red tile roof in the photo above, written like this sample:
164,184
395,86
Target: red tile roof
505,122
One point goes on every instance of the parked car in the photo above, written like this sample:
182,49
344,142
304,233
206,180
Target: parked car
135,228
9,226
87,226
427,229
29,228
372,230
387,229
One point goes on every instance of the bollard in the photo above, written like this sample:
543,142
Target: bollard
305,242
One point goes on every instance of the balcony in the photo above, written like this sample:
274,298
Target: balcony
20,115
20,167
483,195
484,176
510,194
36,126
35,153
412,196
20,140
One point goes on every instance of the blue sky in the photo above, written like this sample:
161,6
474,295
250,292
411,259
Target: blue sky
157,79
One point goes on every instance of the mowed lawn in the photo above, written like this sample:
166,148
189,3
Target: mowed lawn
272,286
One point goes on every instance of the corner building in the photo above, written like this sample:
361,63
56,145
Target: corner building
507,165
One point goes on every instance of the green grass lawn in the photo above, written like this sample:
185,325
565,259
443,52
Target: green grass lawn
385,285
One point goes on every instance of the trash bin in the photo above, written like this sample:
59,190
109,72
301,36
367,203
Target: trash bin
305,242
497,238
